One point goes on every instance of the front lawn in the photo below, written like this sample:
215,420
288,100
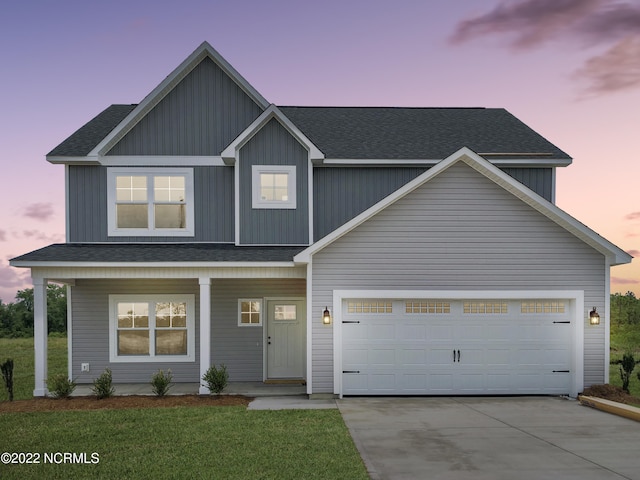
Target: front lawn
183,442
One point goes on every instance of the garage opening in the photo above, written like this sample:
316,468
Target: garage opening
461,346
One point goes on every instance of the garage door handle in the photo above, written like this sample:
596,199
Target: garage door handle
350,371
454,356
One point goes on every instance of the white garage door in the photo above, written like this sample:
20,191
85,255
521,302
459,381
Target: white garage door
449,347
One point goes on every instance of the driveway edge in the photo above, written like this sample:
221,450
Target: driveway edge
620,409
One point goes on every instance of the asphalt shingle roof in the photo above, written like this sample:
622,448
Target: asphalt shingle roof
83,140
416,133
167,253
374,132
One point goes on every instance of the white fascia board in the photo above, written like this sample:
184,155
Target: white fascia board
394,162
157,94
61,160
484,167
54,264
161,160
230,153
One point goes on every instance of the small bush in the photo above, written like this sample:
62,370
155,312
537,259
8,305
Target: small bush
7,374
627,364
102,386
216,378
161,383
60,386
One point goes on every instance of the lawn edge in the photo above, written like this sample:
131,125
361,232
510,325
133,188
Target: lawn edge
620,409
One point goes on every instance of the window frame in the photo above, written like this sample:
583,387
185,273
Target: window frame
151,300
261,312
151,230
257,201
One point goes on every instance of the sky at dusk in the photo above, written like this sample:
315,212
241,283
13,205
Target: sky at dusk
570,69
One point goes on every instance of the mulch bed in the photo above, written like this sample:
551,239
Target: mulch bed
123,401
611,392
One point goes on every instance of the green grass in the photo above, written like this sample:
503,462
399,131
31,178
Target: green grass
185,442
21,350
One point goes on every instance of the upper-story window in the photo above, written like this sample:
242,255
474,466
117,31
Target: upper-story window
273,186
155,202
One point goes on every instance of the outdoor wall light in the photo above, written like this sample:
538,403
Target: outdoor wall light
326,316
594,318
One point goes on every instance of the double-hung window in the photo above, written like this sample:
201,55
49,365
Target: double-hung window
144,202
152,328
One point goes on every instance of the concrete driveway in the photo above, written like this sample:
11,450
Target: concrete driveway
478,438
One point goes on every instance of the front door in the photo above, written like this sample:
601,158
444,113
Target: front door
285,338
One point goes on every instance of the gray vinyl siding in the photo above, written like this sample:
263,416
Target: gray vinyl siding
273,145
241,348
459,231
213,209
341,193
90,330
200,116
540,180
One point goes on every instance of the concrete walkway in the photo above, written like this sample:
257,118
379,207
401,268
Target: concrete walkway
491,438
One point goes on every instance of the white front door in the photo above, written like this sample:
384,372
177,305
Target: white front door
285,338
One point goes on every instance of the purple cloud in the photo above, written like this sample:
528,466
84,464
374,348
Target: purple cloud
531,23
39,211
634,253
11,280
41,236
3,236
624,281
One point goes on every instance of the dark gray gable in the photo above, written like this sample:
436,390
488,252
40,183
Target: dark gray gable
200,116
417,133
85,139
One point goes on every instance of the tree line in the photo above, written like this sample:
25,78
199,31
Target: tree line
625,309
16,319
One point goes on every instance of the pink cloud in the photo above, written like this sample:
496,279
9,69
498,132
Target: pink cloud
633,216
12,279
39,211
616,69
3,236
40,236
634,253
624,281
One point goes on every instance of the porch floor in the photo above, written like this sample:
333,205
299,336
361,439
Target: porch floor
249,389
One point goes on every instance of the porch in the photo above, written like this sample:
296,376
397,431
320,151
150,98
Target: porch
248,389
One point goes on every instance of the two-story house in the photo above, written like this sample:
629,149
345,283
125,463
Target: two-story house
356,250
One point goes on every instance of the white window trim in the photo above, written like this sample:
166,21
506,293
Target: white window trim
258,300
113,328
114,231
257,201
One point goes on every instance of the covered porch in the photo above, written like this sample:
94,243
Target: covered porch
214,333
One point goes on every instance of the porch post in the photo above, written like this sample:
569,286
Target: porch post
40,335
205,331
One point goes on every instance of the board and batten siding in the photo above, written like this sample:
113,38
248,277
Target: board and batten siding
458,231
90,330
241,348
540,180
200,116
341,193
213,209
274,145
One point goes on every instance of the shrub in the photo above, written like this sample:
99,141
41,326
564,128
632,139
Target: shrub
102,387
7,374
627,364
161,382
60,386
216,378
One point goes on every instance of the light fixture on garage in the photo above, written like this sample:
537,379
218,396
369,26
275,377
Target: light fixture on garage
594,318
326,316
